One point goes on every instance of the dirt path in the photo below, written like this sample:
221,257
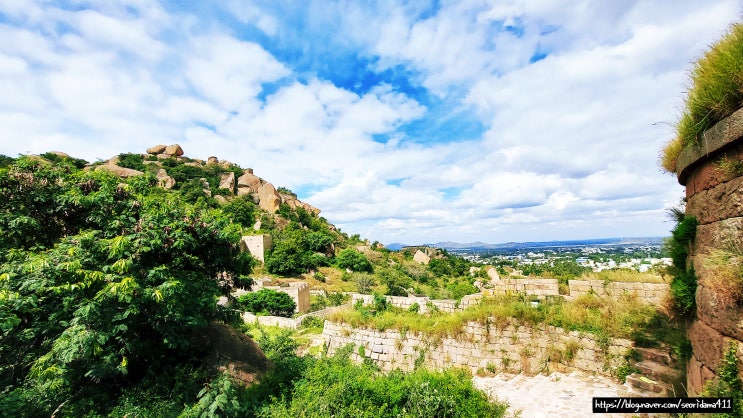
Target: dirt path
556,395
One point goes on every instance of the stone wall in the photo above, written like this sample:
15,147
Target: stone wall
651,293
529,286
510,347
715,197
425,304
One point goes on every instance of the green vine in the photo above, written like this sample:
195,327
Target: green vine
684,283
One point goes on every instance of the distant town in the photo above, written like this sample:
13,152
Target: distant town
639,254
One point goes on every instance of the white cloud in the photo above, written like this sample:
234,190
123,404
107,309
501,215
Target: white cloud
230,72
570,142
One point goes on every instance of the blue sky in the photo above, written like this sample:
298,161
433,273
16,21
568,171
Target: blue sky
420,121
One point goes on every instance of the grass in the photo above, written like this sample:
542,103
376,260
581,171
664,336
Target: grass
725,274
621,317
624,275
716,91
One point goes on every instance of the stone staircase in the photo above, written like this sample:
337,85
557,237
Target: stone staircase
659,374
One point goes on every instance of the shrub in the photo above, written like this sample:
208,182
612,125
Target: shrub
133,161
364,282
267,301
353,260
725,273
716,91
334,386
728,384
684,282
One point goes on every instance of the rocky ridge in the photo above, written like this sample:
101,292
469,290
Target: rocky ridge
265,194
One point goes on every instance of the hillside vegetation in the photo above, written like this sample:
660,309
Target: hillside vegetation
715,92
109,281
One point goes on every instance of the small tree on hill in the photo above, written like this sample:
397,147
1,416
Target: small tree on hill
267,301
353,260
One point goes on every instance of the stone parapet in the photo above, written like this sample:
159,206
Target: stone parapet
478,347
651,293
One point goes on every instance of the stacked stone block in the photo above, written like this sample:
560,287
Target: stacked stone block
715,197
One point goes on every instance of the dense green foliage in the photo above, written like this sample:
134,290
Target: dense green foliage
728,383
267,301
336,387
684,283
715,92
297,250
103,283
354,261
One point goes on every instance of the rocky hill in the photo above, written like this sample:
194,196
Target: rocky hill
232,179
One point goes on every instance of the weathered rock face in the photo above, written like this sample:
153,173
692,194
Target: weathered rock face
119,171
249,181
164,180
421,257
227,181
212,160
295,203
268,198
715,198
157,149
173,150
233,352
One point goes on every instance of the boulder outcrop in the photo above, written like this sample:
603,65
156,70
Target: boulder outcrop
233,352
227,181
164,180
421,257
173,150
268,198
157,149
119,171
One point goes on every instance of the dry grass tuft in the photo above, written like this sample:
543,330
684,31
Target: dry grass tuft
724,274
716,91
624,275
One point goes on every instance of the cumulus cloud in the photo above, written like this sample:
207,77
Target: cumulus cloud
564,104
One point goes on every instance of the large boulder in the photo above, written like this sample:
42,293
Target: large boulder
119,171
157,149
421,257
212,160
59,154
268,198
173,150
232,352
249,181
227,181
164,180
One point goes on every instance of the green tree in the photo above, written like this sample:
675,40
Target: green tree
353,260
267,301
117,285
396,281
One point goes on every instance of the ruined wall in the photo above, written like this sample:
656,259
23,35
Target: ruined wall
257,245
529,286
651,293
714,194
510,347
